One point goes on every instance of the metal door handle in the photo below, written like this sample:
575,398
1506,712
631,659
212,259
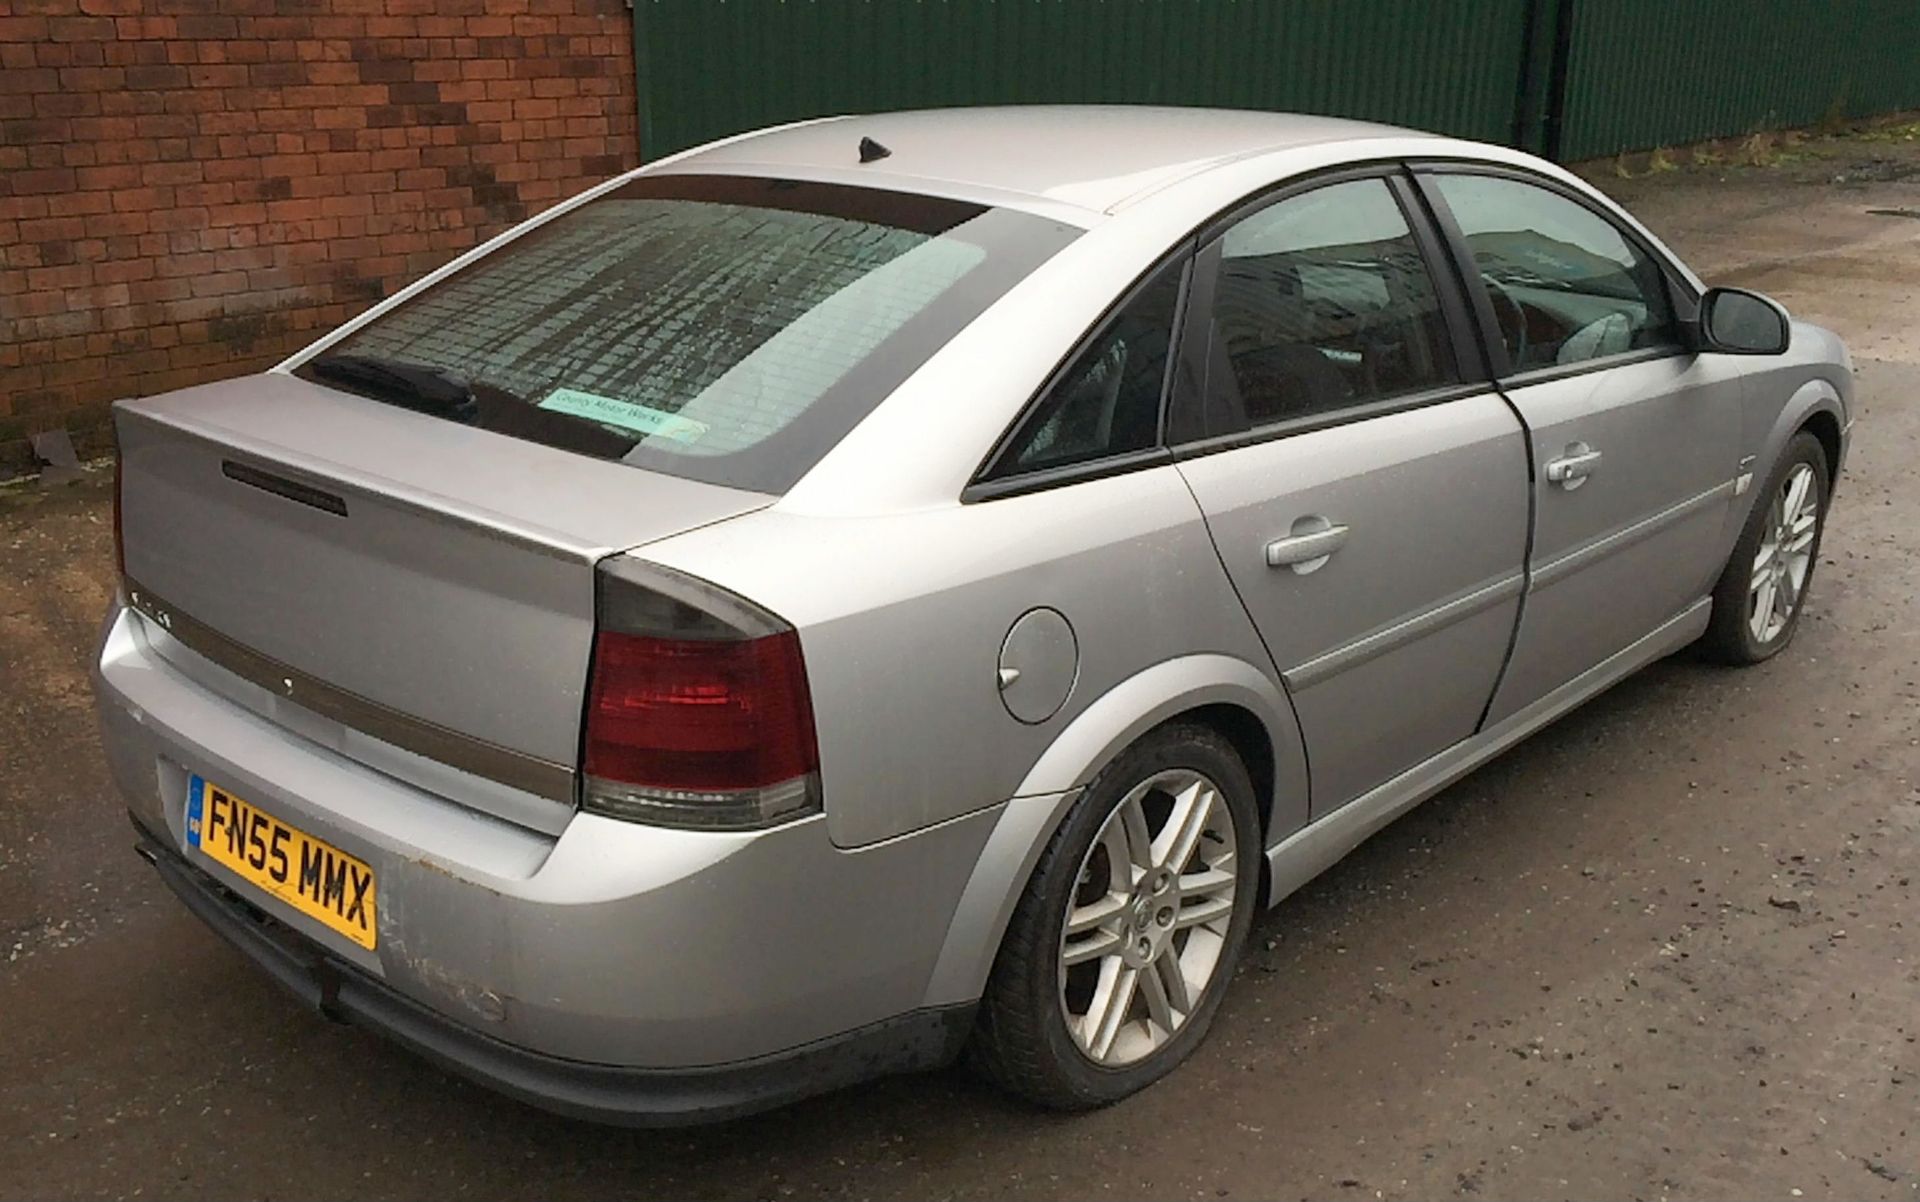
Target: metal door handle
1571,469
1305,552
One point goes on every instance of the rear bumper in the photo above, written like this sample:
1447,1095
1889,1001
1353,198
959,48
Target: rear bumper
577,968
605,1093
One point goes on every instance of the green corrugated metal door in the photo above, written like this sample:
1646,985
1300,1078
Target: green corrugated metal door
714,67
1644,73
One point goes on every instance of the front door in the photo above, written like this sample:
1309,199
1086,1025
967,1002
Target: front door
1630,432
1368,500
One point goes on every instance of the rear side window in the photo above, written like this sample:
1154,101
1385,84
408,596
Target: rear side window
1322,302
1107,402
723,328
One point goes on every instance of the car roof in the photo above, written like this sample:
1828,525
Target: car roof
1093,157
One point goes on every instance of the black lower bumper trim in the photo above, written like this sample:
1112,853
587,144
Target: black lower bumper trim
633,1097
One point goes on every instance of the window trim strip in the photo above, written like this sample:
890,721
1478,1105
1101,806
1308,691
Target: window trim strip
1382,407
1056,477
1566,371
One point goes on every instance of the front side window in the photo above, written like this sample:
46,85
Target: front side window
1322,302
1566,285
1107,402
728,329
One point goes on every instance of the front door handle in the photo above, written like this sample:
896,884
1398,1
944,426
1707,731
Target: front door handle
1308,547
1573,467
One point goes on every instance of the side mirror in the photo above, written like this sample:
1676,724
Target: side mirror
1734,321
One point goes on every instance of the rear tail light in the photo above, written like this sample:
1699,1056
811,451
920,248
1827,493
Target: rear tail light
698,713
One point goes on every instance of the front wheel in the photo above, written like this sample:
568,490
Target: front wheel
1118,953
1757,603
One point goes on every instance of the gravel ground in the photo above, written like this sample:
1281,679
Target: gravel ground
1666,947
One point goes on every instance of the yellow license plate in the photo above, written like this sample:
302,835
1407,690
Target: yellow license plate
314,877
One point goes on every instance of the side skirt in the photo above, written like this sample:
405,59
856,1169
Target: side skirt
1313,849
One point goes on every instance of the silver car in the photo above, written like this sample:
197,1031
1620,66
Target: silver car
896,585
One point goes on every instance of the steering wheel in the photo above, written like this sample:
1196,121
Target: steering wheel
1513,321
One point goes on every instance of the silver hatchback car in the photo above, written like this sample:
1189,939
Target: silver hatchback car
897,584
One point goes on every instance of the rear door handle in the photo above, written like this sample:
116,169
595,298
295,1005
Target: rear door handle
1573,467
1306,552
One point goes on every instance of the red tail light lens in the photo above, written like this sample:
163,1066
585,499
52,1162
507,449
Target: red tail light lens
698,712
699,715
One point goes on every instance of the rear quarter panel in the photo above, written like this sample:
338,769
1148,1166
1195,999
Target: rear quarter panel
902,617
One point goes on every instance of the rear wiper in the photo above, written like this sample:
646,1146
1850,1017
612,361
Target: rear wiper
415,386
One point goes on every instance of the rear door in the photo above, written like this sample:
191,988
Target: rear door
1632,434
1365,486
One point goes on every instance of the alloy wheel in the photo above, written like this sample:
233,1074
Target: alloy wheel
1147,922
1785,556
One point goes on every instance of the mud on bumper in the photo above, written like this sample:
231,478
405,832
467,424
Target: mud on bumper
626,1096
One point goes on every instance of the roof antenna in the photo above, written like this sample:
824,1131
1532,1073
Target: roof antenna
871,151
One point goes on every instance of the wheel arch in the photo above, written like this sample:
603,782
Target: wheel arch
1243,703
1814,407
1251,741
1824,424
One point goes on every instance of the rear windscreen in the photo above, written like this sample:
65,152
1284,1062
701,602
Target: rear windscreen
723,328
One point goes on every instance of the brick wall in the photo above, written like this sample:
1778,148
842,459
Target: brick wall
189,189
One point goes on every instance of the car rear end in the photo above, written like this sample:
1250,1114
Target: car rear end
401,708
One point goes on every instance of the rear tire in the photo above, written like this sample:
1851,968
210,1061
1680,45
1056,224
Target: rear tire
1119,952
1763,590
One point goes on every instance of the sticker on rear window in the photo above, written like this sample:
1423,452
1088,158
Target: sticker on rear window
623,415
